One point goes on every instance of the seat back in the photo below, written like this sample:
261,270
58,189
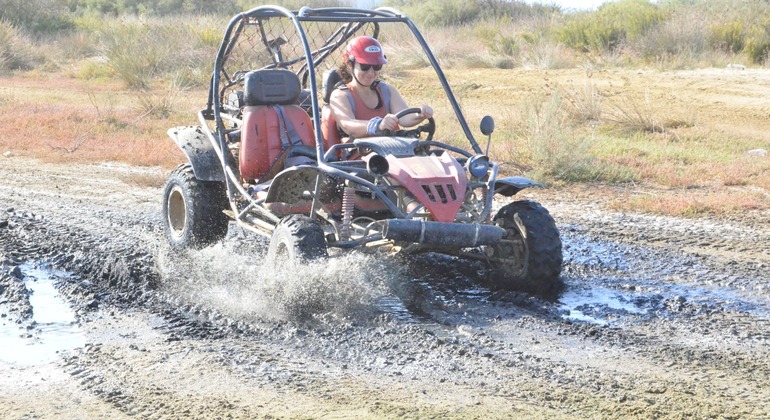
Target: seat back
263,134
331,79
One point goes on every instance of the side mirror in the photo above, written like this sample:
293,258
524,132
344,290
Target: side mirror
487,125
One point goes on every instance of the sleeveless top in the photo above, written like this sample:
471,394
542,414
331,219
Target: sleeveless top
363,112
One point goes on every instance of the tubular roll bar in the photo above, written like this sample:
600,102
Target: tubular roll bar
307,14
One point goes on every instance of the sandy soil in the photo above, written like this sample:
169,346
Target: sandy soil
662,317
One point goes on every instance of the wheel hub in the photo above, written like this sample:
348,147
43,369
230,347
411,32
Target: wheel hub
177,212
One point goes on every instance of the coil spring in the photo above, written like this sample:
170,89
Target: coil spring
348,205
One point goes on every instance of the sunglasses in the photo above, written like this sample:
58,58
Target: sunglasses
366,67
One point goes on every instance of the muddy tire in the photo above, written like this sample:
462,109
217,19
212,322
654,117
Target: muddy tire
193,210
530,258
297,238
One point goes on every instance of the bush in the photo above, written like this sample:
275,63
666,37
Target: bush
141,50
497,42
557,152
14,49
38,16
611,26
757,45
464,12
728,36
135,52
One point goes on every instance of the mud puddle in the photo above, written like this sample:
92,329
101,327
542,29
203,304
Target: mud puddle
597,305
607,282
52,328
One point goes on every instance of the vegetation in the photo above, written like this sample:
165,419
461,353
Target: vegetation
157,54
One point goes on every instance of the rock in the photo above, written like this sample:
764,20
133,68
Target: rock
757,152
7,153
16,272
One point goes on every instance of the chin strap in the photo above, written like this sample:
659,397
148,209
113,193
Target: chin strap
372,86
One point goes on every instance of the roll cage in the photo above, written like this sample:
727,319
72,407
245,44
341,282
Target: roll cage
272,37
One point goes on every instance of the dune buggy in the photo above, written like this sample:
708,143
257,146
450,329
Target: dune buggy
267,155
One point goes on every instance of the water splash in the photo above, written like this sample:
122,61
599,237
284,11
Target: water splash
237,282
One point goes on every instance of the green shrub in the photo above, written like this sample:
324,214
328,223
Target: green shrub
139,51
757,46
135,52
462,12
495,40
728,36
682,38
611,26
94,69
38,16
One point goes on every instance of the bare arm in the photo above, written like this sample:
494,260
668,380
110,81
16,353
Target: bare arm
346,119
343,115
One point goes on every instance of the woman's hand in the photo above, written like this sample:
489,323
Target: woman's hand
426,112
389,122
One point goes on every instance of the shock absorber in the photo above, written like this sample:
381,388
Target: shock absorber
348,205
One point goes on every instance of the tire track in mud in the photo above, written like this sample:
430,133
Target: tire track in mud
456,349
111,268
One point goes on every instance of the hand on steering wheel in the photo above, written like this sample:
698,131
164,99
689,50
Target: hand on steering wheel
429,127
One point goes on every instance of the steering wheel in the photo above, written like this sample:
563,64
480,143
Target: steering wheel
429,127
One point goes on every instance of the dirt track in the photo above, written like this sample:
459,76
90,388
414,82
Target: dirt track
662,317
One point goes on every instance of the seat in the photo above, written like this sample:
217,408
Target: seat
331,79
272,122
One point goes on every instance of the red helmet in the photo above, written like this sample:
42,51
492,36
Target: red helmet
365,50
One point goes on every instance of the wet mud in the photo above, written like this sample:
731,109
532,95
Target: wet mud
660,317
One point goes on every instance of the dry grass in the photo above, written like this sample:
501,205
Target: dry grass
695,203
142,180
628,116
61,121
550,126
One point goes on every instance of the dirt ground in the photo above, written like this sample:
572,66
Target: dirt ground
662,317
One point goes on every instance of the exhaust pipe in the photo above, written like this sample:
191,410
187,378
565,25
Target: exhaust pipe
458,235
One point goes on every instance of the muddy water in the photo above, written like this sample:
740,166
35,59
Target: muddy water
661,317
53,328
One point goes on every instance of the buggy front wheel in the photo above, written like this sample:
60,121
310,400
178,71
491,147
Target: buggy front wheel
297,238
529,259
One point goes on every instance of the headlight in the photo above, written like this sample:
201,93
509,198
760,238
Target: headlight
478,166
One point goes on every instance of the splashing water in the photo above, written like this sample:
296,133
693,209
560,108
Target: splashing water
240,284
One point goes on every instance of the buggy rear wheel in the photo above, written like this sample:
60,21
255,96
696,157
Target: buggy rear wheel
297,238
530,257
193,210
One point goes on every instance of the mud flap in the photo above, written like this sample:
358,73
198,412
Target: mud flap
200,152
513,184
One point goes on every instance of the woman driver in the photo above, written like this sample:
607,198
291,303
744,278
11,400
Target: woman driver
365,106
